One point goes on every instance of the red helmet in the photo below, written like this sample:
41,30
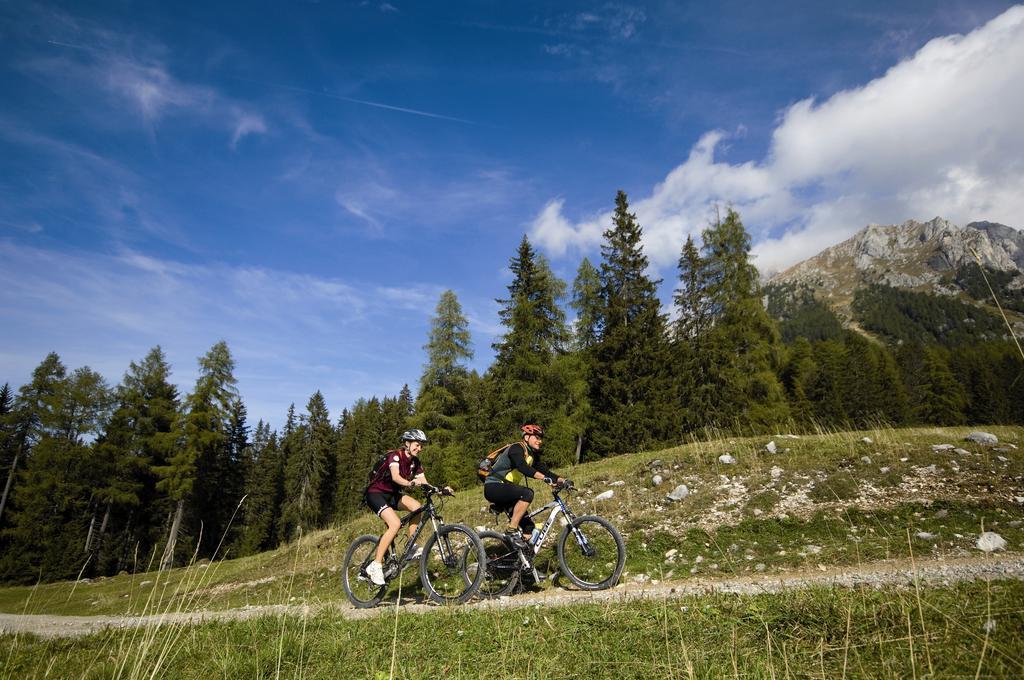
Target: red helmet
532,429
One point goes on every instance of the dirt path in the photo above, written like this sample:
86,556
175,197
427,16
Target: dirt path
897,573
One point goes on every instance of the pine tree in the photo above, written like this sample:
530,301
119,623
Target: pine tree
529,380
150,404
798,376
825,392
973,368
290,445
231,467
691,298
264,488
52,503
586,301
31,418
892,402
304,475
190,475
120,479
690,356
631,389
942,399
743,348
8,445
440,405
576,367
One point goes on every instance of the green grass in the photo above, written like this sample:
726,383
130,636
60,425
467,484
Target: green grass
852,510
819,633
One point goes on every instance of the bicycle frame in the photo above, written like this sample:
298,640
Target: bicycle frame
557,507
436,521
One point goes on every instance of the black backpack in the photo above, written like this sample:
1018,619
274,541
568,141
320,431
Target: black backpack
377,469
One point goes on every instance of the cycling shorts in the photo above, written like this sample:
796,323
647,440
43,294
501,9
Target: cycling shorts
379,501
505,495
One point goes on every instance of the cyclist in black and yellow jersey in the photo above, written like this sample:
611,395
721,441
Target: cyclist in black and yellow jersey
506,486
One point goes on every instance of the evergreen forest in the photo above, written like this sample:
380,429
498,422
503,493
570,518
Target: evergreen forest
99,479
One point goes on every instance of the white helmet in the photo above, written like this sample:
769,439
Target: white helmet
414,436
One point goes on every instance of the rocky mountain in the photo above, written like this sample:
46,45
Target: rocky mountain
926,257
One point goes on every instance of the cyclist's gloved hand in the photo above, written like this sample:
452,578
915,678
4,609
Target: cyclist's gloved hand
567,484
447,491
549,481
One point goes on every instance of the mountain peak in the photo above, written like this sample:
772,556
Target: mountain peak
913,255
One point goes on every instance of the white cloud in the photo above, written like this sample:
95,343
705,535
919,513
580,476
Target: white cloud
938,134
616,20
132,71
248,124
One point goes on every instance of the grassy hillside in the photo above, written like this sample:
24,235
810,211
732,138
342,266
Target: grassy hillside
818,500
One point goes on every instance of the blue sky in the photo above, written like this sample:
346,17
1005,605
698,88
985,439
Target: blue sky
303,179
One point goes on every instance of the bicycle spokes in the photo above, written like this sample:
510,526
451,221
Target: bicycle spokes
453,564
592,553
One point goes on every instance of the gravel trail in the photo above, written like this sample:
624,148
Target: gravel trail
889,573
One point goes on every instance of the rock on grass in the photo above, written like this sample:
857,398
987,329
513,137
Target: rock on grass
679,493
990,541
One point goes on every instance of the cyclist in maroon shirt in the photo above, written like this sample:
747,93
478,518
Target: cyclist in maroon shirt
385,494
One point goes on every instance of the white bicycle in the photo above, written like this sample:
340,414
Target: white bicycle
591,553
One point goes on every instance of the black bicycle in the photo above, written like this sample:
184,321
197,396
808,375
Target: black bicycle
591,553
449,566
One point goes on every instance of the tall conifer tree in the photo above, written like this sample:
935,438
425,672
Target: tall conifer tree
743,350
528,380
201,433
53,500
264,488
440,406
631,390
307,464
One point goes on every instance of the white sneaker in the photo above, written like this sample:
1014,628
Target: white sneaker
376,573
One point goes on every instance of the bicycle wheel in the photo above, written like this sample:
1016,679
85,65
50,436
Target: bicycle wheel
502,573
450,568
360,591
591,553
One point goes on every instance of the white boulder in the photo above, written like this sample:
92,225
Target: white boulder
982,438
604,495
679,493
990,541
726,459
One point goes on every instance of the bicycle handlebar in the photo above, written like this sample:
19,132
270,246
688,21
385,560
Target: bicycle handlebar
431,490
566,485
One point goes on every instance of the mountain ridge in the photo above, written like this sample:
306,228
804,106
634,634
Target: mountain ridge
917,256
